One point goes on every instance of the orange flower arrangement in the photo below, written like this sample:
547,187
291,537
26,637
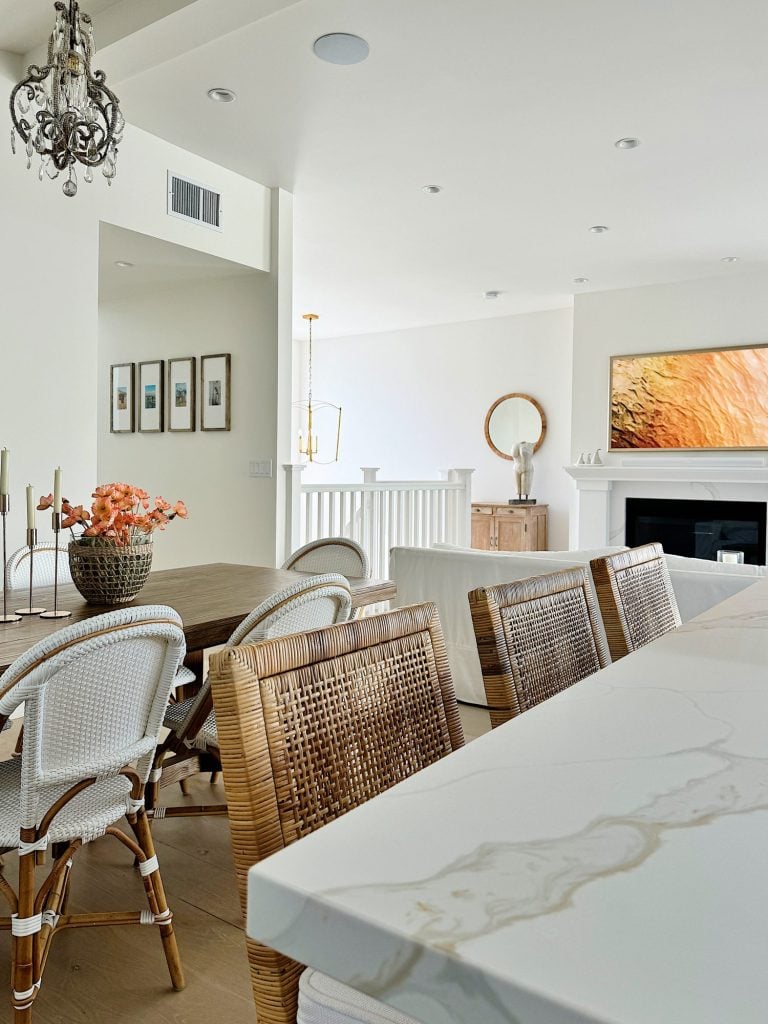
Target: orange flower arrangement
120,515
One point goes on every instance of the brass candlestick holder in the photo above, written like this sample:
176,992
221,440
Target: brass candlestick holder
57,612
5,508
31,544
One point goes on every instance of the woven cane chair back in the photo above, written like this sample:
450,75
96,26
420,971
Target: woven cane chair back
309,604
637,602
94,696
535,637
17,570
331,554
314,724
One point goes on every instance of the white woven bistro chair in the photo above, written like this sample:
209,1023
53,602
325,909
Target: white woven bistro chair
17,570
94,695
193,743
331,554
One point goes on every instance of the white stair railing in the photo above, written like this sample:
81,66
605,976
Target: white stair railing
380,514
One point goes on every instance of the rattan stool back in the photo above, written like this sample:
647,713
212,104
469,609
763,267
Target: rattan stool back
535,637
315,724
637,602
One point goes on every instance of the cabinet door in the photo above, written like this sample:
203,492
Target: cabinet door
540,525
512,533
482,531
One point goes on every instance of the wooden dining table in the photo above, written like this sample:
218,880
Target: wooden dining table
211,600
600,858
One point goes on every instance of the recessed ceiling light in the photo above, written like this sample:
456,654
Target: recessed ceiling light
581,280
730,259
598,229
431,190
220,95
628,143
123,264
490,296
341,48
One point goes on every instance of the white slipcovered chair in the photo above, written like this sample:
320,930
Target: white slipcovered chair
94,695
17,570
331,554
193,742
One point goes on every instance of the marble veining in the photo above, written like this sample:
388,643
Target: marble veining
595,860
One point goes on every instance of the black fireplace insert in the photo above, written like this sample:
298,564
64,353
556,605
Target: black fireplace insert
699,528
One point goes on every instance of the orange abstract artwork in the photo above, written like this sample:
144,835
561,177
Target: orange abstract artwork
687,400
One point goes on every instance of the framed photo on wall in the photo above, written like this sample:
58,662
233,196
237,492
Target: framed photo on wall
122,379
690,400
151,393
215,381
181,393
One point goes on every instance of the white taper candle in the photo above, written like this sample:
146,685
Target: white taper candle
57,490
30,507
4,471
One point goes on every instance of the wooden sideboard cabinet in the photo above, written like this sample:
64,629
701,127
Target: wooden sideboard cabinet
509,527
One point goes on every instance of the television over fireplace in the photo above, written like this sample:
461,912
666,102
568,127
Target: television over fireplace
698,528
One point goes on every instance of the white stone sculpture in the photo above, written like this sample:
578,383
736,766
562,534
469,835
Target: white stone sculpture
522,453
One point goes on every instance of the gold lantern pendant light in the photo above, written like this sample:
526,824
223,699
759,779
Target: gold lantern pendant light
309,443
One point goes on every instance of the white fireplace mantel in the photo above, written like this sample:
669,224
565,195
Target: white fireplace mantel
598,512
702,473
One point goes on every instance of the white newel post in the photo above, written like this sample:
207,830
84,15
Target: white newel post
370,474
463,525
293,473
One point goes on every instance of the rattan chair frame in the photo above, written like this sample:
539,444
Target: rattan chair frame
187,750
507,672
256,690
636,597
38,913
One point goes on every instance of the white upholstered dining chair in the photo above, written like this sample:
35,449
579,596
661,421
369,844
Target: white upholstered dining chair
193,743
94,695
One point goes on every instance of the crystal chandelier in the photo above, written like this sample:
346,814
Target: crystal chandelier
64,111
309,445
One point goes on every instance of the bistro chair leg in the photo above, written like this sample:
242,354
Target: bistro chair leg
158,905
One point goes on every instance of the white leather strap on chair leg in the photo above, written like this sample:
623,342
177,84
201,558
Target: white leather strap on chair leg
50,918
147,867
147,917
158,812
39,846
21,926
156,774
23,1000
134,806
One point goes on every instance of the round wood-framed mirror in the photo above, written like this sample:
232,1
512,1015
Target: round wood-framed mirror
512,418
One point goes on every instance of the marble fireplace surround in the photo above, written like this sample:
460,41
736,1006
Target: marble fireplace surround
598,511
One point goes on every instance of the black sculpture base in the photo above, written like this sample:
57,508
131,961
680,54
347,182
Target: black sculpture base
523,501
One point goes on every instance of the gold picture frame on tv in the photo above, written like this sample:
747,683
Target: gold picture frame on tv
707,399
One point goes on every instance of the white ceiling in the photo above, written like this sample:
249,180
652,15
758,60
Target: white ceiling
156,264
513,106
27,23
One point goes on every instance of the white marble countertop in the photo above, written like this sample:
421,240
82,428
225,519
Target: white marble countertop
601,858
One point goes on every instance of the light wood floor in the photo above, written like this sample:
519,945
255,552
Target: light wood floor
118,975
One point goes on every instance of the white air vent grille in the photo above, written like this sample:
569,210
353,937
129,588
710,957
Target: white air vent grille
192,201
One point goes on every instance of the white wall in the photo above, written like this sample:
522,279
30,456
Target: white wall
415,401
692,314
49,293
232,516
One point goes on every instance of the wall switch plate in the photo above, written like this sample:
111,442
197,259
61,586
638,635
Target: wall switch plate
260,467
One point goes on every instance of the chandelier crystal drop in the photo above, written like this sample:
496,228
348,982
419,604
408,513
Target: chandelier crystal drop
64,112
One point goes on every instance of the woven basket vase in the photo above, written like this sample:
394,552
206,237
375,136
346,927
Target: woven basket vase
108,575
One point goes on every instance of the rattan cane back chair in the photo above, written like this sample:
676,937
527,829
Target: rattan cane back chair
535,637
193,743
94,696
315,724
331,554
637,602
17,570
